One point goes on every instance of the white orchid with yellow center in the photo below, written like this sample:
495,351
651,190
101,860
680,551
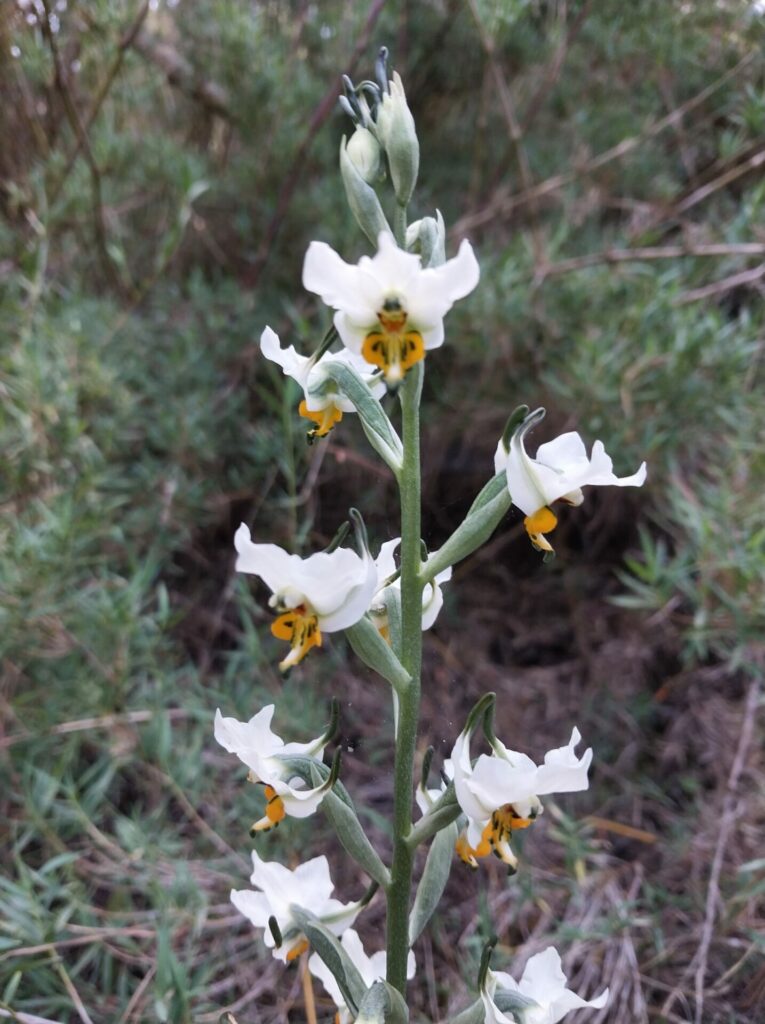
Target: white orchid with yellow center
326,592
371,968
268,758
308,887
388,577
540,997
559,471
323,403
500,793
388,309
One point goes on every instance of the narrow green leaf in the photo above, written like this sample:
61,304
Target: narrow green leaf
323,942
434,878
368,645
350,832
440,816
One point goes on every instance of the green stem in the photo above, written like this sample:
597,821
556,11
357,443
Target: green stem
400,890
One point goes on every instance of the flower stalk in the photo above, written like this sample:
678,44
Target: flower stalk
400,891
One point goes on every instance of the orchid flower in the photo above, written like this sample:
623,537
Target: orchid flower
323,403
389,310
266,755
387,578
308,887
559,472
542,988
371,968
325,592
501,792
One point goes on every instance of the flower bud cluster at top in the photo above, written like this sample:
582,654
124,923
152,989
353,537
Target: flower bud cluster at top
388,314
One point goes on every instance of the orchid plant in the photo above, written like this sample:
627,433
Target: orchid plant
389,312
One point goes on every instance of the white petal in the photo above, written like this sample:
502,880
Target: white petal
345,596
256,907
298,803
292,364
543,979
329,276
466,798
563,771
385,563
564,452
436,289
492,1013
496,782
433,599
524,481
313,881
272,564
250,741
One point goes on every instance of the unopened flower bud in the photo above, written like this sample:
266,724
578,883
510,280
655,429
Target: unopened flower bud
398,137
427,237
362,198
363,150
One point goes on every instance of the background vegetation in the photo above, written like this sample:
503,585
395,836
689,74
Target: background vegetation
162,169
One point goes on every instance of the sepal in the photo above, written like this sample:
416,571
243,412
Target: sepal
362,198
370,647
378,428
327,946
435,875
443,812
344,819
382,1004
485,514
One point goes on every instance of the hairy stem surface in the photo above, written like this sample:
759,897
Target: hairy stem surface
399,894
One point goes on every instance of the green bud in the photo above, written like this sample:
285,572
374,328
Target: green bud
362,199
363,151
427,237
398,137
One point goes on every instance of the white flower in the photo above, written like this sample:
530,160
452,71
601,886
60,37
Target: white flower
264,753
389,310
501,792
323,403
309,887
560,470
371,968
328,591
432,597
543,984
